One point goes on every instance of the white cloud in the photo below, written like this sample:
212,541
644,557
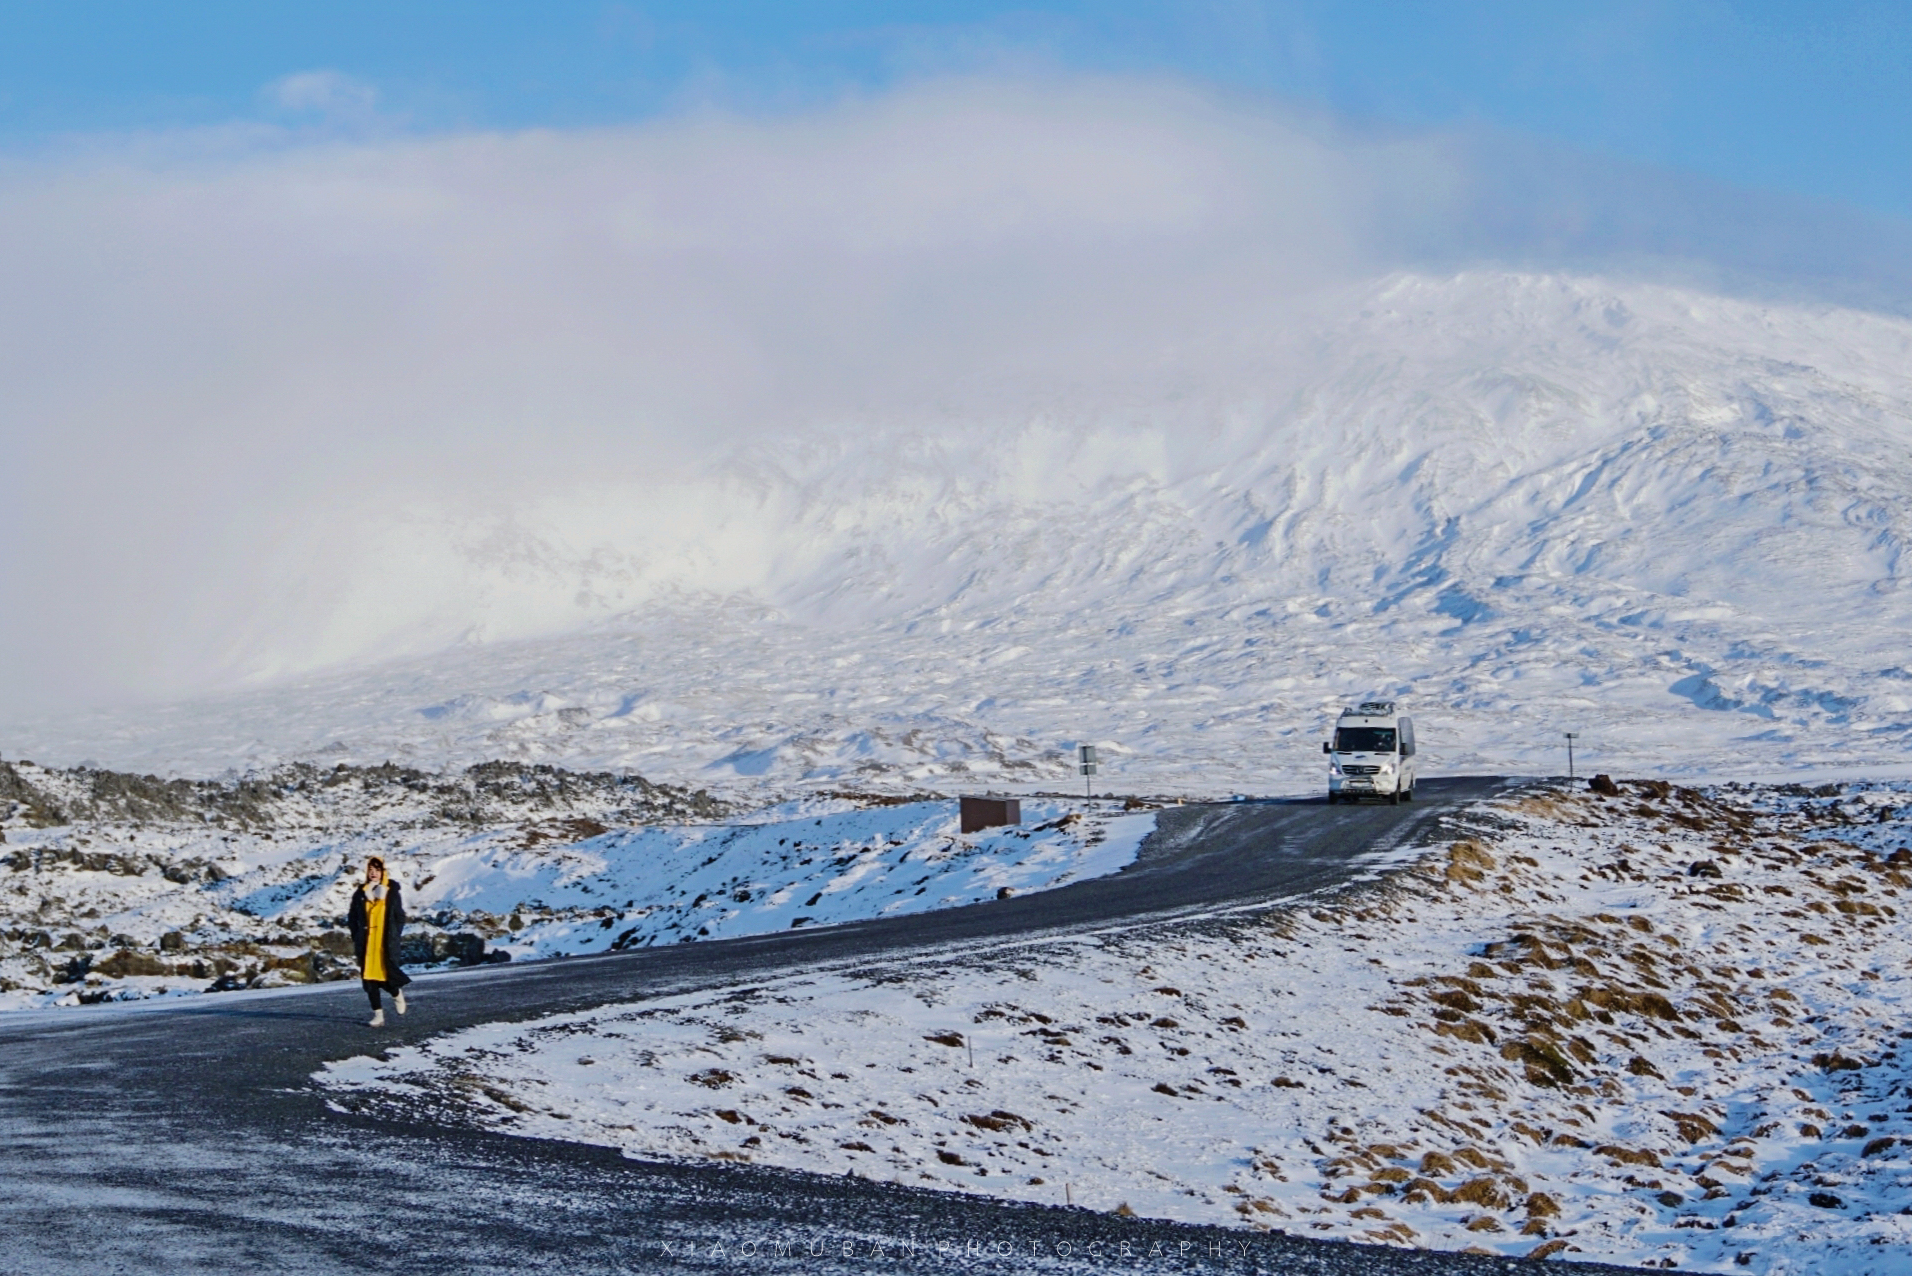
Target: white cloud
326,92
216,363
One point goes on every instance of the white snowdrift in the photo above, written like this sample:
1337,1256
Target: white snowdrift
1556,1038
821,867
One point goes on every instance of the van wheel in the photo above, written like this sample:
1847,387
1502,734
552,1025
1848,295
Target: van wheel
1331,797
1408,796
1394,798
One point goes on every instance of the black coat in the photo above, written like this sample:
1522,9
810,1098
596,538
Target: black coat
360,924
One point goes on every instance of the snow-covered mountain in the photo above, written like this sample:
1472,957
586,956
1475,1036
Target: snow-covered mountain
1523,503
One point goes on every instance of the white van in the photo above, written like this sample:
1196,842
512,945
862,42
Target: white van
1372,754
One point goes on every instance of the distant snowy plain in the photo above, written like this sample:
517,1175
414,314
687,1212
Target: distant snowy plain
1670,521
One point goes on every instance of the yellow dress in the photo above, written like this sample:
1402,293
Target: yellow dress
375,939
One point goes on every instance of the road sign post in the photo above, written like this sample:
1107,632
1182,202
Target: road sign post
1571,736
1085,758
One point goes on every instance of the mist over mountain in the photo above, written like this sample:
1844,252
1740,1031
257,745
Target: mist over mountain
1672,521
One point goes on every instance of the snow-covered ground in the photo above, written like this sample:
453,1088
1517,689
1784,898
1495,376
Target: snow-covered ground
1661,1028
1671,521
113,888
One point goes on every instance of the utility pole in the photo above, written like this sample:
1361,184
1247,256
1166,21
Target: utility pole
1085,758
1570,739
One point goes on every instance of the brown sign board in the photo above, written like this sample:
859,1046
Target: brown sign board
980,813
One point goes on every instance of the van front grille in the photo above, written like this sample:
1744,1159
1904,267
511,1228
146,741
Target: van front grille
1360,770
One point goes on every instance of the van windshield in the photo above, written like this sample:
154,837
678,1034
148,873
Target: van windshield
1364,740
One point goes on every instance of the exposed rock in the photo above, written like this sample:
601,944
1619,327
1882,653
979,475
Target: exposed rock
123,964
431,949
74,969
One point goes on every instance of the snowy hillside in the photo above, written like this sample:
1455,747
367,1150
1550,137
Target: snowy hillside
117,887
1660,1027
1670,521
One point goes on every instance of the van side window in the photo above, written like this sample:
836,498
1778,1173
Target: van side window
1407,737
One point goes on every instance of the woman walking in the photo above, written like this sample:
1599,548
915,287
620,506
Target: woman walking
376,918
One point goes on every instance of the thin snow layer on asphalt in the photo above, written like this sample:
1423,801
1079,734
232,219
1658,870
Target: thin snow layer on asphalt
1659,1028
107,909
1670,521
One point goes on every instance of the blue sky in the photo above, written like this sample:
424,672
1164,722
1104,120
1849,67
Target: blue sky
1804,98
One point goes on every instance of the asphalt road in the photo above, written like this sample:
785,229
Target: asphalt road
188,1138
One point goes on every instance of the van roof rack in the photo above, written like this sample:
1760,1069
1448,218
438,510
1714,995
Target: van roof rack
1378,707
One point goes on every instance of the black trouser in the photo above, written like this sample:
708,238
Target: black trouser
372,986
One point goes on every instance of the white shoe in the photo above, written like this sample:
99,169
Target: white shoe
378,1018
398,1002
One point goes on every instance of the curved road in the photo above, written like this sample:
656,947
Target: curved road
170,1138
